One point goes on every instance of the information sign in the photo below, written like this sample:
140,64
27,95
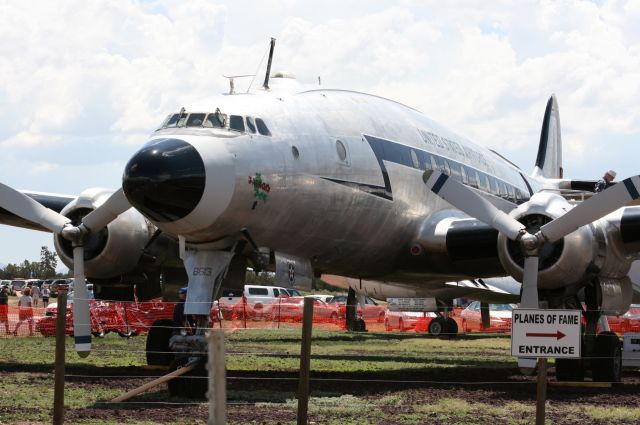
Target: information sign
546,333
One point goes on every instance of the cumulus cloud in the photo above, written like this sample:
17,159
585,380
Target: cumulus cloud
105,74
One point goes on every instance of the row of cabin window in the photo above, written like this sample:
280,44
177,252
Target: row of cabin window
218,120
478,179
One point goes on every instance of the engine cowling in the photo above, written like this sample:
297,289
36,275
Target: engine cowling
113,251
561,263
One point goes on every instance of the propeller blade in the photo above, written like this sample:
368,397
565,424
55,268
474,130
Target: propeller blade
592,209
472,204
81,318
107,212
21,205
529,298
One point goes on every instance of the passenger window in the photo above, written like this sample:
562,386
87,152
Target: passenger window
434,165
276,293
455,171
494,186
236,122
251,125
503,189
463,174
215,120
262,127
484,182
512,195
473,177
447,168
195,120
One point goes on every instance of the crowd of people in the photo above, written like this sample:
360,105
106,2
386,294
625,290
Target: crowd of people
31,296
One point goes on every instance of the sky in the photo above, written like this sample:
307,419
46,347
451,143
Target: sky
83,84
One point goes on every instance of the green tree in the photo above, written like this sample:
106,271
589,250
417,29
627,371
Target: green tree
48,263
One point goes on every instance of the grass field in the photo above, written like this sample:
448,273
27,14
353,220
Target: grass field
379,378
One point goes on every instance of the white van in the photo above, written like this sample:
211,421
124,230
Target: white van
254,293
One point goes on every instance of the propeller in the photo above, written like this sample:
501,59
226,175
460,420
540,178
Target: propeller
25,207
474,205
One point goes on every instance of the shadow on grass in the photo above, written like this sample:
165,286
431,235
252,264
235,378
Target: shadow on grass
370,336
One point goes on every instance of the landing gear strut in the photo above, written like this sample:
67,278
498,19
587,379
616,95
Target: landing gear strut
602,353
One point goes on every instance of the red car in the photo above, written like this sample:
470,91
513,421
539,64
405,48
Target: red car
372,311
628,322
499,315
291,309
407,320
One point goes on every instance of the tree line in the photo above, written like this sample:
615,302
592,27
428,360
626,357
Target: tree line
43,269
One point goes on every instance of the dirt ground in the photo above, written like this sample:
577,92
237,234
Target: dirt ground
494,387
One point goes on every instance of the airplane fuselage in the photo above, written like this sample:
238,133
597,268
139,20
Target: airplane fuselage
338,180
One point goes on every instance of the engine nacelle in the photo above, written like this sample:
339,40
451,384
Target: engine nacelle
115,250
561,263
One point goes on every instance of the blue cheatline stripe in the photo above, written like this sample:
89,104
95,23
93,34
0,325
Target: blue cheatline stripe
439,183
631,188
85,339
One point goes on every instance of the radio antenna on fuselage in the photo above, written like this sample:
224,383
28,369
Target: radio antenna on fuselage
232,87
266,77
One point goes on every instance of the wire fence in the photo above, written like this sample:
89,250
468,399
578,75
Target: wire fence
137,318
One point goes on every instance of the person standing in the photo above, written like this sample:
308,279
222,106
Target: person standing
25,311
35,294
46,292
605,181
4,308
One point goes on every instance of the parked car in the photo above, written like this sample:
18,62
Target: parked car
322,297
17,285
60,285
499,315
371,311
628,322
5,283
293,292
292,308
407,320
258,300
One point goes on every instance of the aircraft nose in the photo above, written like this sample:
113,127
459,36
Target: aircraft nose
165,180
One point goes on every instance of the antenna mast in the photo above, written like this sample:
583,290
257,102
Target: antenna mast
266,77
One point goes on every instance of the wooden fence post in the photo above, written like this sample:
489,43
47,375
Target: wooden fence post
217,379
305,361
58,386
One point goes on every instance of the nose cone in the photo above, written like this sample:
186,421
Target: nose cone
165,180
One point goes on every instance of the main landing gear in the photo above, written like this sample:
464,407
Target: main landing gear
601,352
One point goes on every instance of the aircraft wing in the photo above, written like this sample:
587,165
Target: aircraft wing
55,202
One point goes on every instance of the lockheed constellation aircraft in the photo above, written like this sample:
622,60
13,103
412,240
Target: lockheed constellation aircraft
367,192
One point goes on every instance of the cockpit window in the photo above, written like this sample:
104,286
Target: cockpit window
251,125
195,120
236,122
215,120
172,121
262,127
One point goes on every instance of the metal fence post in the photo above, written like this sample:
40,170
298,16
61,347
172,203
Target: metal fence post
58,386
217,393
305,362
